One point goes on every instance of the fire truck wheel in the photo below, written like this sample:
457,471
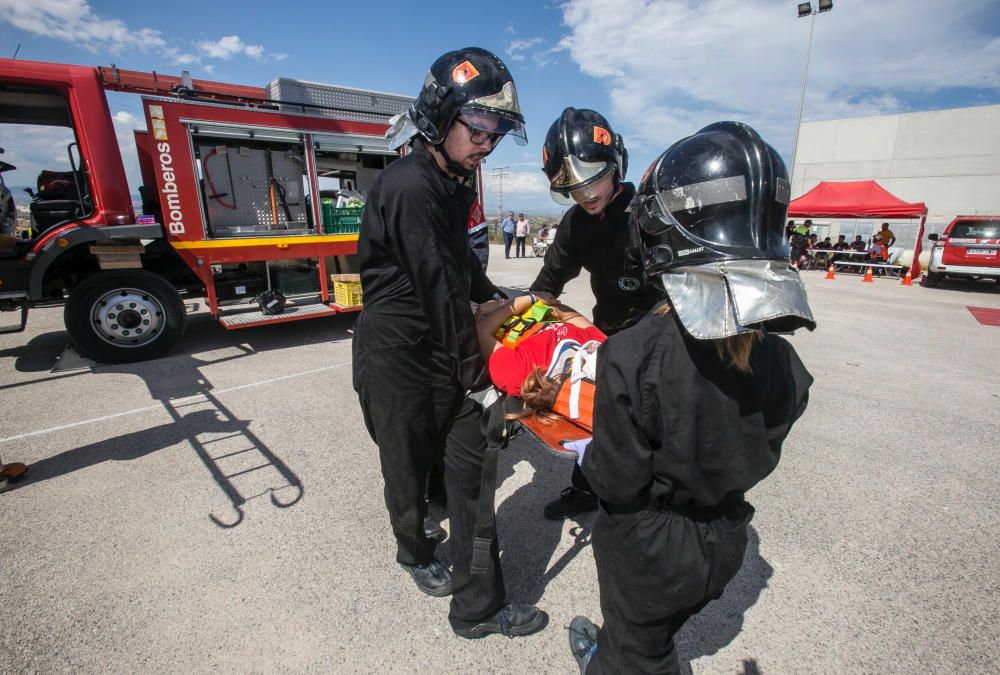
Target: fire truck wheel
122,316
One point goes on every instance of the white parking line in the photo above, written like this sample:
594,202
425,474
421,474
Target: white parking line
159,406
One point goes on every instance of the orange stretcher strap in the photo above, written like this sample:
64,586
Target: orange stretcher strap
575,402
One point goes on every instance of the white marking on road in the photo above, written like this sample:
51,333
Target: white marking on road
173,402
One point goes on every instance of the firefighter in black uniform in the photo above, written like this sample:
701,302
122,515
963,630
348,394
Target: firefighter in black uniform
693,403
416,355
586,161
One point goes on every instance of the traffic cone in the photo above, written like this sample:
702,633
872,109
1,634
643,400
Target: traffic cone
907,280
868,276
829,273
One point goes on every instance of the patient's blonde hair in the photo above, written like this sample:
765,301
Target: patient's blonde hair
538,394
734,350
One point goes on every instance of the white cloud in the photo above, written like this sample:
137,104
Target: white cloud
672,66
125,125
517,182
76,22
229,46
521,49
31,149
517,48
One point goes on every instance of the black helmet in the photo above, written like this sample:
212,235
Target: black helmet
579,149
476,82
721,194
271,302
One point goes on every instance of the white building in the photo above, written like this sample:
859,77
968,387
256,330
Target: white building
948,159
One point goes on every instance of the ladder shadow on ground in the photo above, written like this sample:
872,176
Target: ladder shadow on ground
239,462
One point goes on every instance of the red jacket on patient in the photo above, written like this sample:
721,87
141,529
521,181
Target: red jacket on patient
509,366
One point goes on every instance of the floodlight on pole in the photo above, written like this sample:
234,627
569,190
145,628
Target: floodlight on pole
805,9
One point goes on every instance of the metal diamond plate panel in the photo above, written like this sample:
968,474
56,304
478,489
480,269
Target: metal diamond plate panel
360,105
238,195
292,312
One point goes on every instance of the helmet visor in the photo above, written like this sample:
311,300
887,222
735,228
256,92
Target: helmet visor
585,193
575,173
715,211
498,113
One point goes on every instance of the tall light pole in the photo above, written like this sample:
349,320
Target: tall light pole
806,9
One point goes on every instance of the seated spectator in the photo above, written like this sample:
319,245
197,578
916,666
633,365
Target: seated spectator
875,250
858,244
821,256
841,245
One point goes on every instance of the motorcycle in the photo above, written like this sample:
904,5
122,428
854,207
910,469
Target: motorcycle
542,244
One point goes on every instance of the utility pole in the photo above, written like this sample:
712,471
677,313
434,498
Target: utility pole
498,175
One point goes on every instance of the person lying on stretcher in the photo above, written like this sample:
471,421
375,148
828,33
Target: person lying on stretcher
533,359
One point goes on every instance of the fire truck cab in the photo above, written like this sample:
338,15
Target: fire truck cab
248,194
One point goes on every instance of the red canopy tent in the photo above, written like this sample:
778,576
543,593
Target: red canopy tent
860,199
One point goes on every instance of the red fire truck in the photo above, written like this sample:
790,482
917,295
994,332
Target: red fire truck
232,201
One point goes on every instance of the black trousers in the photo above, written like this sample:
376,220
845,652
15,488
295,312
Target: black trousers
655,570
417,413
579,481
519,248
508,239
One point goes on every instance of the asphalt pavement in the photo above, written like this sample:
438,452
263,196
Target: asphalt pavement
221,509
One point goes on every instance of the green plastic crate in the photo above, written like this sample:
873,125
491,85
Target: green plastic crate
342,221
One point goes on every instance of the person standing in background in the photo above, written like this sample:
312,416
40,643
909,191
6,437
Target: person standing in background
521,234
507,227
886,239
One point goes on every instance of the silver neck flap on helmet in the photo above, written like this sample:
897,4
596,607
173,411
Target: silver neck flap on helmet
720,299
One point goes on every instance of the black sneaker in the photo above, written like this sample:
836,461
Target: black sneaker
513,621
582,641
571,502
432,578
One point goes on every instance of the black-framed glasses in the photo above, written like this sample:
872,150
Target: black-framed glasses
478,136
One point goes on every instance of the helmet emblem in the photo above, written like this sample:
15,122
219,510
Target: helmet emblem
602,136
464,72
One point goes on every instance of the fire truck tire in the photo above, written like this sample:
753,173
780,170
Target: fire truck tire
123,316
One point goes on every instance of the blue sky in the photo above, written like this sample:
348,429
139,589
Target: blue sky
658,69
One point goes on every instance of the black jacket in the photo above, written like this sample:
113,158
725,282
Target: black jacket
675,428
418,272
598,245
